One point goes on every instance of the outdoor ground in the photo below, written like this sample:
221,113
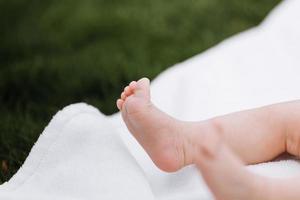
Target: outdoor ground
57,52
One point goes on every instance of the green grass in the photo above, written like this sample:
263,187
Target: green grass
53,53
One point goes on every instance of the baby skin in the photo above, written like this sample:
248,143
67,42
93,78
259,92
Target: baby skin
219,147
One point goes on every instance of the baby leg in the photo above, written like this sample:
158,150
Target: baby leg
256,135
228,179
218,146
261,134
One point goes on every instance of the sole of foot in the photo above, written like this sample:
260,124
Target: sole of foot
157,132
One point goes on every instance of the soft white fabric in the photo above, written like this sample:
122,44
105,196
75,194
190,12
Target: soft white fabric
80,154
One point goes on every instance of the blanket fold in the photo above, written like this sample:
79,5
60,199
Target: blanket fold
78,156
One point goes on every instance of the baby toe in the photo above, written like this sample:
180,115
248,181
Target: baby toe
120,103
133,85
127,91
123,96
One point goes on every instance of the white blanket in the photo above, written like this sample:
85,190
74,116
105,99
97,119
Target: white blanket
83,154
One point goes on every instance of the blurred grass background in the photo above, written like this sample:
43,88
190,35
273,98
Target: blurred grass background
57,52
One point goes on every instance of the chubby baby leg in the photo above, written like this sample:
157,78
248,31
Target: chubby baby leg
219,147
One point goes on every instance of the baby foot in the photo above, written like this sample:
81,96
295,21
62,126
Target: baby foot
173,144
159,134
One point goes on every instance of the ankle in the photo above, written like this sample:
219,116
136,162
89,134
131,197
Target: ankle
205,139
